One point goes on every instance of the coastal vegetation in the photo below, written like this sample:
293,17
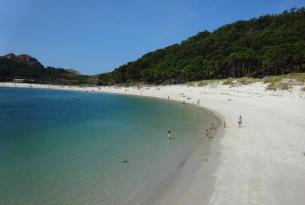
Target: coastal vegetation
31,70
266,46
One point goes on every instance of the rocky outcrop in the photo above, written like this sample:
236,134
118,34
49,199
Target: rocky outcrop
23,58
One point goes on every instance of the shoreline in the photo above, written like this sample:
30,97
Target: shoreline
159,194
261,163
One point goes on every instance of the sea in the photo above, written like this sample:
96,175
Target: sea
69,147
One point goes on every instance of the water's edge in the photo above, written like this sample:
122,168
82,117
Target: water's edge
157,195
208,158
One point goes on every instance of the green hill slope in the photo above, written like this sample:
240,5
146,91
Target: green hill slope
268,45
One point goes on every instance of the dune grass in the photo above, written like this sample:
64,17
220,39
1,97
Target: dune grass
279,86
192,84
229,81
281,82
203,83
248,81
240,81
300,77
284,82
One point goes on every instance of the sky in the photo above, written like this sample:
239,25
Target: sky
96,36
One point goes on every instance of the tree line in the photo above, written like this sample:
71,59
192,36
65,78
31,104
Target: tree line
268,45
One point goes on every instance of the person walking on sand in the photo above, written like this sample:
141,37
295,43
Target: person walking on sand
213,127
240,121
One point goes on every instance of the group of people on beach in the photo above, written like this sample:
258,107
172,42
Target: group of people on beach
213,127
210,130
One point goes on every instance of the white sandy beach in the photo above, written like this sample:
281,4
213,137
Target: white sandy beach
261,163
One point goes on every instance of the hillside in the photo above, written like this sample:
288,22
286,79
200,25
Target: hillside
268,45
26,67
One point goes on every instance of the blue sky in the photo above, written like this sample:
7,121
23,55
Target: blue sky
95,36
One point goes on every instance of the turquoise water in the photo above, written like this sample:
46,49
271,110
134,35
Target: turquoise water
61,147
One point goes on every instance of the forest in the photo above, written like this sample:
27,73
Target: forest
259,47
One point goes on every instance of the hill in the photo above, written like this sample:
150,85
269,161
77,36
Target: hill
26,67
268,45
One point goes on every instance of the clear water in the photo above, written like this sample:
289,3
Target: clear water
61,147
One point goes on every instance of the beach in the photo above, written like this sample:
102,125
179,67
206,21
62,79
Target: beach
262,162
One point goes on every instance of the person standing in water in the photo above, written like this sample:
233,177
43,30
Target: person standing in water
169,134
240,121
213,127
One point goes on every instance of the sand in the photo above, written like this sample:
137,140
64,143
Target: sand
263,162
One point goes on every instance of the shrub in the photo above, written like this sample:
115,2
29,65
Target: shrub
300,77
247,81
279,86
206,82
203,83
191,84
284,86
229,81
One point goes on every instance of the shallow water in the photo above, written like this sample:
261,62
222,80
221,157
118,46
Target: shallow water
60,147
